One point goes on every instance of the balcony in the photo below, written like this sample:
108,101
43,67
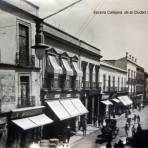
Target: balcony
25,61
66,85
26,102
54,84
85,85
76,85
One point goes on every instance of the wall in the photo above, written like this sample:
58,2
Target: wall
7,90
108,71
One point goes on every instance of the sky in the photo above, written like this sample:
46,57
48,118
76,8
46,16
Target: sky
114,34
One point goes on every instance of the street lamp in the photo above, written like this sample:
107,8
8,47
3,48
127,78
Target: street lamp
39,46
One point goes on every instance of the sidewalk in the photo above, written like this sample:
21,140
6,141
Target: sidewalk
79,135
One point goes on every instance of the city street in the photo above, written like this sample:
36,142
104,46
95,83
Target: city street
89,140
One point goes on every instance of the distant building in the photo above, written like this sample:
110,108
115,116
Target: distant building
113,88
135,77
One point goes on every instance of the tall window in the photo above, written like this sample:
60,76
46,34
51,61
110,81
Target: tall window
113,82
108,83
104,82
122,83
23,45
118,83
24,84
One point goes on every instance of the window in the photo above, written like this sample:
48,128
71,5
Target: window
23,45
114,82
109,83
118,83
24,88
104,82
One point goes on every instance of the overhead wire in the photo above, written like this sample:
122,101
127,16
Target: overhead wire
87,22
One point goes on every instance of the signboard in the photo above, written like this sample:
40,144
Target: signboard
26,113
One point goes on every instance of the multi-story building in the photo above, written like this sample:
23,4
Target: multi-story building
70,72
114,87
145,101
139,86
63,87
135,77
21,112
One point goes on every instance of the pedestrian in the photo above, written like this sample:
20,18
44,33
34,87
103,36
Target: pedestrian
108,145
138,119
133,131
67,133
139,129
120,144
126,129
129,121
134,119
84,127
115,145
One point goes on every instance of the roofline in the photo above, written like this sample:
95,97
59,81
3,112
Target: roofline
6,6
30,3
112,66
79,42
71,35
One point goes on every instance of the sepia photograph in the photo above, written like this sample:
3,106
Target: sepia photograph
74,74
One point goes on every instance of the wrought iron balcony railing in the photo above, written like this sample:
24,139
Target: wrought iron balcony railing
26,102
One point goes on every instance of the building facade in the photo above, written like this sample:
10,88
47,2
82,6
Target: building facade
140,82
20,107
114,86
70,72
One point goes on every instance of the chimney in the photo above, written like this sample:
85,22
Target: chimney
133,59
130,57
126,54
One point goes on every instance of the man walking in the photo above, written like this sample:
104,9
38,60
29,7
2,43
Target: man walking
133,130
84,127
126,129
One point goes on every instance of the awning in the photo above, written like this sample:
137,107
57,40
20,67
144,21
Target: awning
41,120
125,100
56,68
68,105
67,67
116,100
58,109
77,70
107,102
79,106
32,122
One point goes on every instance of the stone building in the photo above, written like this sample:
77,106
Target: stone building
42,95
114,89
21,110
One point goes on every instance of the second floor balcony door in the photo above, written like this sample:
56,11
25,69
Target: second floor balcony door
24,91
23,45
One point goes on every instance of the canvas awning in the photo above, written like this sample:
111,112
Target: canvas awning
58,109
54,67
68,69
107,102
68,105
32,122
125,100
116,100
79,105
78,72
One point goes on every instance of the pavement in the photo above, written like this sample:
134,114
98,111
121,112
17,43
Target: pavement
87,141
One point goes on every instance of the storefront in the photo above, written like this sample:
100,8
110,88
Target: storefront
3,132
64,112
26,126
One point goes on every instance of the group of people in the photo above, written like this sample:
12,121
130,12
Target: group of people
136,120
116,145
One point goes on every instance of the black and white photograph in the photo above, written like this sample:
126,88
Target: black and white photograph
73,73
